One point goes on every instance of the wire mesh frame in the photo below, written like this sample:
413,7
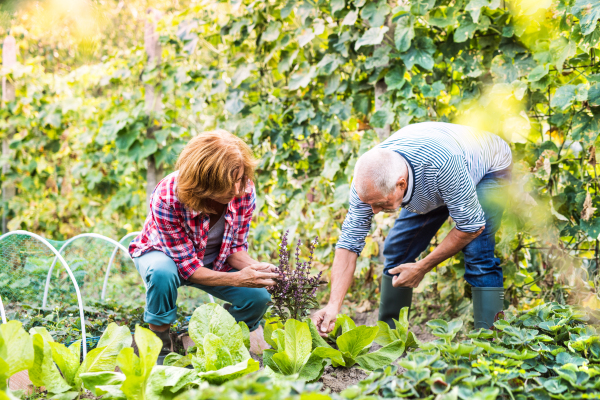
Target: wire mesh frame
110,262
93,235
60,258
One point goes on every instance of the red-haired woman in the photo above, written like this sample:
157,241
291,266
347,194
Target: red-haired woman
196,234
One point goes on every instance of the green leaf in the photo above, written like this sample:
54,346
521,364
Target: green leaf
166,381
420,7
302,78
44,372
443,16
137,369
104,356
93,380
395,78
404,33
337,5
594,95
272,32
16,348
420,53
357,339
350,18
538,73
382,118
371,37
565,96
588,12
466,29
271,325
245,333
231,372
298,345
382,357
212,318
474,7
330,353
313,369
216,354
66,360
375,12
317,340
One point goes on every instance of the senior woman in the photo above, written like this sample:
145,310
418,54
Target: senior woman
196,234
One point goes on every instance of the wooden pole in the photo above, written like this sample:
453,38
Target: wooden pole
9,59
153,99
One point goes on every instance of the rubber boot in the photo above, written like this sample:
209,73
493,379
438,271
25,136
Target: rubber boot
392,300
167,345
487,302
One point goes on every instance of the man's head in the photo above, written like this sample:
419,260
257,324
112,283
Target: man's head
215,166
381,179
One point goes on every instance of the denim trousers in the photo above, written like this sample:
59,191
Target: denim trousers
162,280
412,233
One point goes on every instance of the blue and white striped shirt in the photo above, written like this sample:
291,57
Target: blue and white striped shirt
446,162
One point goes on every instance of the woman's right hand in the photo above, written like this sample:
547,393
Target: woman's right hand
256,276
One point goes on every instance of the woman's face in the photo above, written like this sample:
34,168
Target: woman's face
226,198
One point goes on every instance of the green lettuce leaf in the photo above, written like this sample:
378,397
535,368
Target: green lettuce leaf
16,350
216,354
231,372
382,357
95,381
137,370
44,372
298,346
212,318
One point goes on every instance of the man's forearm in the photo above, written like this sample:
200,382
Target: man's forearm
342,273
454,242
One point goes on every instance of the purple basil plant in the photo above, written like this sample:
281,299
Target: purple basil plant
293,296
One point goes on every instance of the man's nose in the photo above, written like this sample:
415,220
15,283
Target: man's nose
376,209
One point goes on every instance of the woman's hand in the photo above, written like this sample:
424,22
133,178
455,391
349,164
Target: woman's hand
256,276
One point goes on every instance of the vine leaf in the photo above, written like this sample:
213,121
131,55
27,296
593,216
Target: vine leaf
588,12
371,37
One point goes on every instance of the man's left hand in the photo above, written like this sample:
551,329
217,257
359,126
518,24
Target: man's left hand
410,274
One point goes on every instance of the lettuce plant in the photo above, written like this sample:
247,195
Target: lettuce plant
294,352
293,295
58,368
16,354
353,343
221,345
141,379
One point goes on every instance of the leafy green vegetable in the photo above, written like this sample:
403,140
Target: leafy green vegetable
16,351
221,353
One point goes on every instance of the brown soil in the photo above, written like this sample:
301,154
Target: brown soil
338,379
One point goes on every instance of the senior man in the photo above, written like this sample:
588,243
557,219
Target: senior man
432,170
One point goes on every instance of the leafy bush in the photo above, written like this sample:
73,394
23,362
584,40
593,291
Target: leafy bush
293,295
221,345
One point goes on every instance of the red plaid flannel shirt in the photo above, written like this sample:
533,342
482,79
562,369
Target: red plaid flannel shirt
182,234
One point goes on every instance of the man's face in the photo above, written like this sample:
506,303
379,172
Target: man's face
389,203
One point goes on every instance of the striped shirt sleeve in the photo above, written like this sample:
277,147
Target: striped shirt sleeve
357,224
458,192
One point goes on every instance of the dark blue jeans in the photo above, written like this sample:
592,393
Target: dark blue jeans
412,233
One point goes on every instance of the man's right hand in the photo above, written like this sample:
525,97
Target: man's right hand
256,276
324,319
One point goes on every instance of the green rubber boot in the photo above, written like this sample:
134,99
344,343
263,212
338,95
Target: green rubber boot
392,300
487,302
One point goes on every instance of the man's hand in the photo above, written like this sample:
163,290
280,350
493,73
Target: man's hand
256,276
324,319
411,274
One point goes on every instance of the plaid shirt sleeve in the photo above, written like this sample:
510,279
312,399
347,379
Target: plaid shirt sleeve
240,240
176,243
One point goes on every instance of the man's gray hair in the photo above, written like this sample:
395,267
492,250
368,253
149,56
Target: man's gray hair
378,169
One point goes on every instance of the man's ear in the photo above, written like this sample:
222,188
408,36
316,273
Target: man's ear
401,183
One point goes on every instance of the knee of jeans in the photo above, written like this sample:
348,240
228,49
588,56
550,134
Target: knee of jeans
258,301
163,278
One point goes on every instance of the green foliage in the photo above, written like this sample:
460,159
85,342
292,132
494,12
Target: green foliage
59,369
221,351
16,351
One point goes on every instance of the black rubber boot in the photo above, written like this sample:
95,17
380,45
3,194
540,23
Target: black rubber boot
487,302
167,345
392,300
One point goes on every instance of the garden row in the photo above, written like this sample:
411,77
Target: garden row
550,351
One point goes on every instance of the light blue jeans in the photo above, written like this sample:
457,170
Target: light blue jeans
162,279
